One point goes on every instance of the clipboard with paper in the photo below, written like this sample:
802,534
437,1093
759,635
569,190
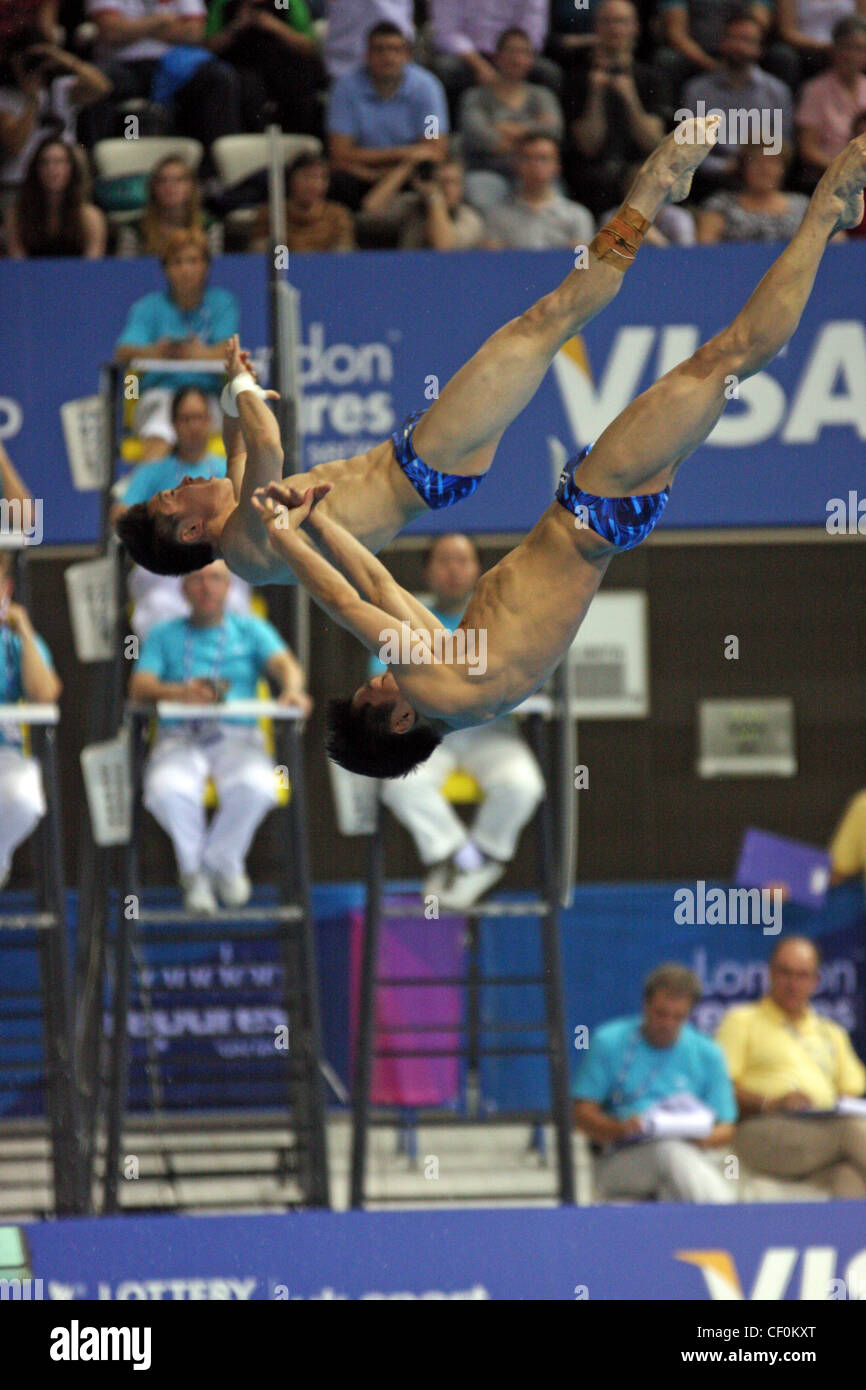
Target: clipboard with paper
680,1116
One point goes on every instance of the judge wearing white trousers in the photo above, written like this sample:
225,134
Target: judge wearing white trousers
464,863
198,660
26,672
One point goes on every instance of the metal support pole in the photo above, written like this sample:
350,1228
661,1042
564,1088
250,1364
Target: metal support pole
119,1080
97,864
56,987
366,1009
552,966
318,1190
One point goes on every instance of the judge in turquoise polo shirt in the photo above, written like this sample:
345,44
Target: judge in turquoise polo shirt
26,673
207,656
187,321
631,1065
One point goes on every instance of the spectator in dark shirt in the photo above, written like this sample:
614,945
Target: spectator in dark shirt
276,53
51,216
495,116
572,31
17,17
152,49
757,208
616,108
747,96
692,32
313,222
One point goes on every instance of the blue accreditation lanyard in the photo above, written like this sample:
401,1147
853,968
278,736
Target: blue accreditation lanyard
188,656
828,1064
205,730
617,1095
11,678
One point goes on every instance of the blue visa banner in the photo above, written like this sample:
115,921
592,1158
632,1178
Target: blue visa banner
653,1252
382,332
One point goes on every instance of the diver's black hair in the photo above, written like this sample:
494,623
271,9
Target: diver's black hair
361,740
150,542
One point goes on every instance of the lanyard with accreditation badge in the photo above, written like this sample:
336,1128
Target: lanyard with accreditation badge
11,675
205,730
617,1094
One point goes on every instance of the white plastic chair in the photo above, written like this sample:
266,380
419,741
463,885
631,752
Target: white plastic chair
117,158
238,156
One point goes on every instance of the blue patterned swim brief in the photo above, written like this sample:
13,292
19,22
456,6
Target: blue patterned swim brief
437,489
624,521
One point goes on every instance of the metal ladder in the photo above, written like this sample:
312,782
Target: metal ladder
292,1136
51,1002
555,842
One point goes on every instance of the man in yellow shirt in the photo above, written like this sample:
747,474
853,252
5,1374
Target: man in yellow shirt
848,845
785,1061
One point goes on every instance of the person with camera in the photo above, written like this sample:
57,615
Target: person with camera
424,202
44,91
616,109
209,656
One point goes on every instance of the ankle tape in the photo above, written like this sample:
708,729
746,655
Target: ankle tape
619,240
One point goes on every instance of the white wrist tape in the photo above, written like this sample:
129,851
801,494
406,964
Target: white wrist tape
245,381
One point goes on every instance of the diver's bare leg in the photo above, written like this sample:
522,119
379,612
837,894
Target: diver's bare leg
641,450
460,431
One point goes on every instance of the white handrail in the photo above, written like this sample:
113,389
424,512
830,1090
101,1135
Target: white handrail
225,709
29,714
173,364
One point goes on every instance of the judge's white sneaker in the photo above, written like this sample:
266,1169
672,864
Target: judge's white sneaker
437,878
198,895
465,889
234,890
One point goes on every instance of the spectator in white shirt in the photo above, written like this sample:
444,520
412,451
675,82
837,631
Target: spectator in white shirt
537,216
465,39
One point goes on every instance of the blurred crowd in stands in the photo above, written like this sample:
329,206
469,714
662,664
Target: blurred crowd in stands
442,124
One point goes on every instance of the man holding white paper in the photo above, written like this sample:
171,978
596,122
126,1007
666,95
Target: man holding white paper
795,1074
654,1096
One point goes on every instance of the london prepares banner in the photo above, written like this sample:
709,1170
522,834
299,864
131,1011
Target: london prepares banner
383,331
